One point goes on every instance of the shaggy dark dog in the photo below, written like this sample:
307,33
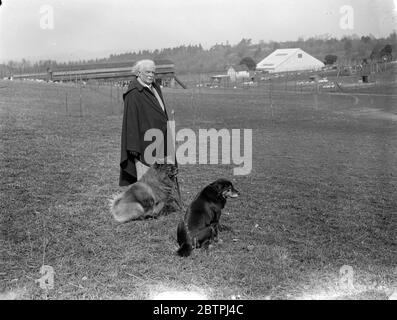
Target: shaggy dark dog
154,195
201,222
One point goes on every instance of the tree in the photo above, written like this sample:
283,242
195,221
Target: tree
348,46
376,54
385,53
366,39
249,62
276,46
362,50
330,59
388,49
242,48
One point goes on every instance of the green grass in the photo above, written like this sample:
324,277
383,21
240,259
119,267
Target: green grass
322,194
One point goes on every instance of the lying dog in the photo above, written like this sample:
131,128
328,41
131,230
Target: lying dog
155,194
201,222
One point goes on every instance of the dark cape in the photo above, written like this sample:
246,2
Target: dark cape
142,112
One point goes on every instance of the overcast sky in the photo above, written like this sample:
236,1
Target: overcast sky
84,29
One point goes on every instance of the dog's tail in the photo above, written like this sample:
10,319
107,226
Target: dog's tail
185,245
123,211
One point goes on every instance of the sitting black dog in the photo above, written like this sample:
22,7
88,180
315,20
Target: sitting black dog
201,222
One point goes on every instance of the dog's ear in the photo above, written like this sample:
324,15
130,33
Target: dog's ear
225,188
217,185
229,191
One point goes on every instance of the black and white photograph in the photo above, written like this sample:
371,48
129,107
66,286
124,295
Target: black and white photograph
217,151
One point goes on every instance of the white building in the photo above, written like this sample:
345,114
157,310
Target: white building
284,60
238,72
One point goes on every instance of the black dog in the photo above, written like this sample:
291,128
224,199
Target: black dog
201,222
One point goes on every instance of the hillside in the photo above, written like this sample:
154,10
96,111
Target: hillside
196,59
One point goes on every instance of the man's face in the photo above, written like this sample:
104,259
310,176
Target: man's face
147,73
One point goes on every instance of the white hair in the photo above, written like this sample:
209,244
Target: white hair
138,66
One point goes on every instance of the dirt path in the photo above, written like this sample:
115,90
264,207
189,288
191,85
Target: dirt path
376,114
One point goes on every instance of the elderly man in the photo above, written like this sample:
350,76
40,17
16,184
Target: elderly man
144,109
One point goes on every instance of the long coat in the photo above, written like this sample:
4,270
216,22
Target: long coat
142,112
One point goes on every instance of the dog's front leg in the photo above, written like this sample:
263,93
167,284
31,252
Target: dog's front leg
204,237
214,232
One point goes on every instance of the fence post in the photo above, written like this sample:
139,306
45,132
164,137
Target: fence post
286,80
301,85
111,98
121,99
118,94
66,103
296,80
270,96
316,93
81,104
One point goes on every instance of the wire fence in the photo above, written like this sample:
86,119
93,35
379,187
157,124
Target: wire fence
82,98
303,81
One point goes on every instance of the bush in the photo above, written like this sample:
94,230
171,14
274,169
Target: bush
330,59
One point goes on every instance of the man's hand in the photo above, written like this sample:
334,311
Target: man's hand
132,155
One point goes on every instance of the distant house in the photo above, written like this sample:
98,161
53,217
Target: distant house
283,60
220,79
239,72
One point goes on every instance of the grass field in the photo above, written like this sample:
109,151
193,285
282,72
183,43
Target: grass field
322,194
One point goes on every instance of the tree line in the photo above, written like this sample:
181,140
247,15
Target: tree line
195,59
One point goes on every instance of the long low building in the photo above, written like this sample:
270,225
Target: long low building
289,60
165,69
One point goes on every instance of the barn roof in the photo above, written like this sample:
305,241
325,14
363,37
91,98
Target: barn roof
277,57
161,69
112,64
164,67
283,56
